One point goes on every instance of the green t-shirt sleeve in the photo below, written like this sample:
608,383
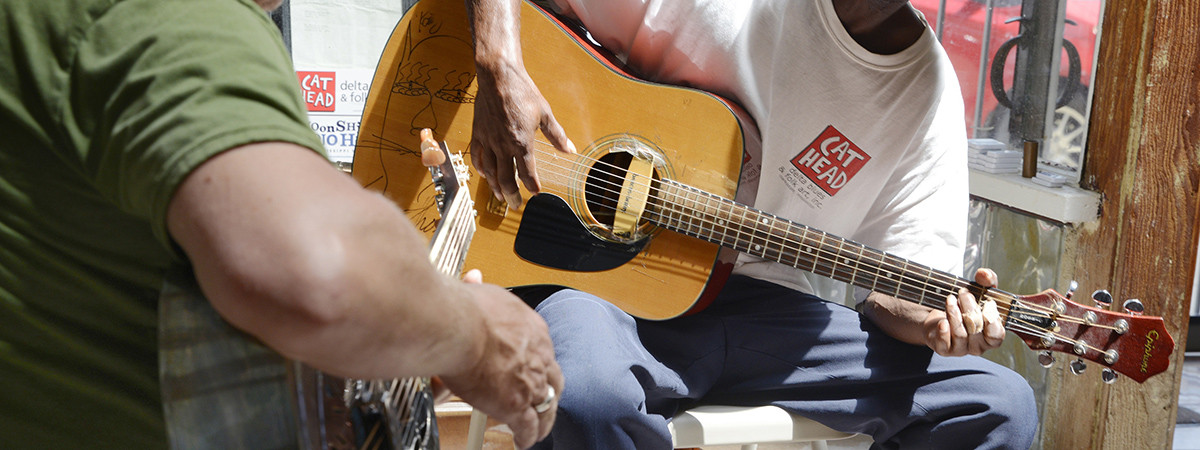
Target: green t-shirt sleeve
156,93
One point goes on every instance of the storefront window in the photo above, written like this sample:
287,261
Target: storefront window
1003,52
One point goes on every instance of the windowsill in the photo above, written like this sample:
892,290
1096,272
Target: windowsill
1065,204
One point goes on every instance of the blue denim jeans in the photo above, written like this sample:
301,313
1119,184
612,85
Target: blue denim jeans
761,343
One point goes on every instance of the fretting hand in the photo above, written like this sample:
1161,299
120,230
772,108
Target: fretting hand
964,328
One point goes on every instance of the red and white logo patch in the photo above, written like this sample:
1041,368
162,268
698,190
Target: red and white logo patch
320,90
831,160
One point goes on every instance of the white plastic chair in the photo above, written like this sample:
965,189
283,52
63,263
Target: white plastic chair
747,426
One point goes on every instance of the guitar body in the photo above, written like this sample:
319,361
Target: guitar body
426,79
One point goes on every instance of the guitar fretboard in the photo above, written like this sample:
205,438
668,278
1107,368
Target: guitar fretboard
448,249
724,222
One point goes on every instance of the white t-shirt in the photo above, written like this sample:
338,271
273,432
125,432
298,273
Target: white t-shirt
864,146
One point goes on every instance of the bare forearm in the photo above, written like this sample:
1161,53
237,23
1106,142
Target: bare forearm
898,318
389,304
324,272
496,26
960,329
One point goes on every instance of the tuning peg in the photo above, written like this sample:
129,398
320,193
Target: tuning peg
1134,306
1077,366
1071,289
1108,375
1046,359
431,153
1102,298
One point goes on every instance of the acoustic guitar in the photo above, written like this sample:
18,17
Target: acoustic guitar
651,213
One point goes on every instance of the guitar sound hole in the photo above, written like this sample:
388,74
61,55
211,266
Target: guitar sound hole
603,188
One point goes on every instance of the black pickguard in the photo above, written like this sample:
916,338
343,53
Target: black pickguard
551,235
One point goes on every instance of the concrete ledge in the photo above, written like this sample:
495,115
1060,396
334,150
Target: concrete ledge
1065,204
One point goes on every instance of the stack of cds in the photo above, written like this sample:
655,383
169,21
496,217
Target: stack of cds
989,155
1049,179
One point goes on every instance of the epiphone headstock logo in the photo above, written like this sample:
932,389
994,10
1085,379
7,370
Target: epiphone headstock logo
1149,347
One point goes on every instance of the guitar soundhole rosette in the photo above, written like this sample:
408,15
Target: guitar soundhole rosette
601,189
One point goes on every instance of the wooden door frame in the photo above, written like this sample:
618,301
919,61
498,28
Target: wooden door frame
1143,156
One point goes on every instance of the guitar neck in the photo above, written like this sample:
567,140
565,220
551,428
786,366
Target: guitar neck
696,213
448,247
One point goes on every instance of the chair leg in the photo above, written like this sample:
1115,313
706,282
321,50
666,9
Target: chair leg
750,447
476,430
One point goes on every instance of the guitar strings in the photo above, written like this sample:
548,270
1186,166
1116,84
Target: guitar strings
742,229
1017,323
1005,299
746,230
829,258
456,235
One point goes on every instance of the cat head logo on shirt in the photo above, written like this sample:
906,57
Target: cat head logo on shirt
831,160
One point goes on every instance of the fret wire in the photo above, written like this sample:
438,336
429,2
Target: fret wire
679,211
845,262
689,219
898,277
723,220
681,220
684,220
899,283
813,245
821,246
694,197
742,236
854,276
766,223
764,234
809,240
746,229
796,260
875,276
753,227
924,289
736,223
928,273
836,260
770,222
755,233
713,212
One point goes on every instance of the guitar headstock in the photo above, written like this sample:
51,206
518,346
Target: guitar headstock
449,171
1128,343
